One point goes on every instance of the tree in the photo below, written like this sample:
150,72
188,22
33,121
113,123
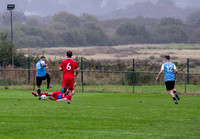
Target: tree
132,33
50,38
172,34
87,18
196,36
31,30
67,18
76,37
167,21
130,29
193,18
94,35
57,26
6,53
32,22
171,30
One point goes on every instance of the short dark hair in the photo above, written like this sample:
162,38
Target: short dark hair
167,57
69,53
42,57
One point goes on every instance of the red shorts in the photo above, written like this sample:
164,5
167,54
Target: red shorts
69,85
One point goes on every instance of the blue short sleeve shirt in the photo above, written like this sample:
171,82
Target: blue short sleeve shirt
169,68
41,71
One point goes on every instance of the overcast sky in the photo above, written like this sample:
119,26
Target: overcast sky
49,7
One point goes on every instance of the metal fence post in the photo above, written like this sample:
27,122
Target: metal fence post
82,73
185,82
133,75
34,74
188,71
29,70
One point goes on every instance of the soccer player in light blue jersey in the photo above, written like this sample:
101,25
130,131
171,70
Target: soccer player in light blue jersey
169,69
41,67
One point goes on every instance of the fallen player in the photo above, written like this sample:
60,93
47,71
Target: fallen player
58,96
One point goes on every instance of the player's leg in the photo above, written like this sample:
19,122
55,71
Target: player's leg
71,88
39,82
69,97
67,92
173,96
51,97
63,87
73,91
172,84
39,92
46,94
34,94
48,80
175,93
170,88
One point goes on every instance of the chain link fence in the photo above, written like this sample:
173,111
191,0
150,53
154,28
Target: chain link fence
102,81
104,76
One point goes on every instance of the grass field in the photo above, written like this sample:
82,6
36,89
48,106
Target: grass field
99,115
151,89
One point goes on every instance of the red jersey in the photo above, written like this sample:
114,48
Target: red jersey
68,66
58,95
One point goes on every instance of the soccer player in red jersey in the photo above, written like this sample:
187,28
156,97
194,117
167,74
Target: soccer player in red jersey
58,96
68,67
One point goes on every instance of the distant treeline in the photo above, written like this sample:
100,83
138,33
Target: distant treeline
65,29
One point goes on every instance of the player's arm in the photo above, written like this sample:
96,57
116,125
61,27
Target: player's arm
44,64
63,99
61,67
159,74
161,71
77,71
51,97
175,69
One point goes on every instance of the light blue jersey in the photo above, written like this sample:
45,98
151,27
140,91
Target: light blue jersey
169,68
41,71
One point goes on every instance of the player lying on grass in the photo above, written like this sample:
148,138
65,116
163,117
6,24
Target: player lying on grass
58,96
169,69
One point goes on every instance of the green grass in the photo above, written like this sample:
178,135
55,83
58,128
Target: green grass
99,115
141,89
115,88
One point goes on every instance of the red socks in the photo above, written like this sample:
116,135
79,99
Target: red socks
69,98
46,94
